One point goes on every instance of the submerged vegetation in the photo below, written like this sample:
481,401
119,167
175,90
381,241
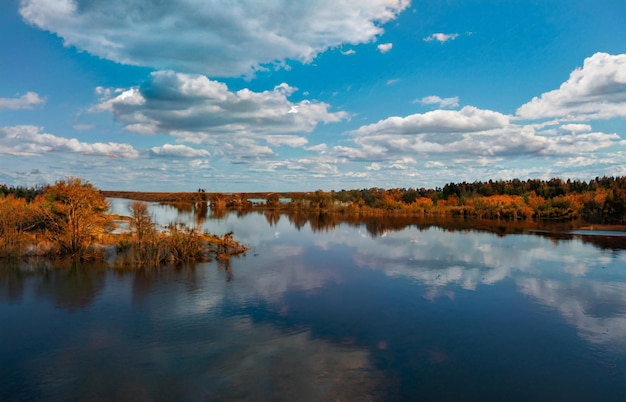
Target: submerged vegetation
71,219
146,246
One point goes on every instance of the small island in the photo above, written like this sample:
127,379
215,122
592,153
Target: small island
71,219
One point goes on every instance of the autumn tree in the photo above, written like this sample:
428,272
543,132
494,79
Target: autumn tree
141,221
17,217
75,213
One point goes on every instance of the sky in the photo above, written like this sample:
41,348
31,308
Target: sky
288,95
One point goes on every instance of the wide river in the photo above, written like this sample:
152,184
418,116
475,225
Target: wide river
337,314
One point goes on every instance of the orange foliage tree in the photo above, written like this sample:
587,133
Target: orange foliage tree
17,217
75,214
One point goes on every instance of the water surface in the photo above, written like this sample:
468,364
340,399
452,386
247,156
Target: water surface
414,314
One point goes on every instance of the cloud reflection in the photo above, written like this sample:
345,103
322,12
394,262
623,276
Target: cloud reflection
596,309
581,282
568,275
214,360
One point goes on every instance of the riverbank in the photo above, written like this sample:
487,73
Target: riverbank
487,211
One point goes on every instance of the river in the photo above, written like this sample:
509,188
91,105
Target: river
421,313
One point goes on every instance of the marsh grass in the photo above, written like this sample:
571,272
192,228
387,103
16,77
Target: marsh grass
69,221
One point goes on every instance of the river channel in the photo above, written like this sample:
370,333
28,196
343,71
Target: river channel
324,315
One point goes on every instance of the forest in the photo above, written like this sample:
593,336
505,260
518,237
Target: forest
602,200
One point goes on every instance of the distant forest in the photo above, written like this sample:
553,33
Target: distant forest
601,200
27,193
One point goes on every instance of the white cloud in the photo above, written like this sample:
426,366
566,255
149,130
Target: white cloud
318,148
178,151
289,140
196,109
211,37
463,137
246,148
441,37
468,119
348,52
575,128
26,101
441,102
384,47
577,161
434,164
29,141
595,91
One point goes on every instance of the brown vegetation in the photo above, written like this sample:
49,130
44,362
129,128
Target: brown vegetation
602,200
71,219
146,246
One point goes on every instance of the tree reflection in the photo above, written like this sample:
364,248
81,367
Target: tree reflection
223,265
73,286
201,210
143,282
272,217
12,283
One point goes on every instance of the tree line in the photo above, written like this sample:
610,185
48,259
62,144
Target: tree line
601,200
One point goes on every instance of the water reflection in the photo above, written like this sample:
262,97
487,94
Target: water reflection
68,285
596,309
585,285
196,214
337,314
177,343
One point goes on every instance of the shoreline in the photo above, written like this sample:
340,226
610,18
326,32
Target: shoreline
240,202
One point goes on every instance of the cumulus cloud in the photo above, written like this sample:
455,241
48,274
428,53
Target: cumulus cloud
597,90
434,164
289,140
399,137
441,102
318,148
207,36
26,101
577,161
468,119
246,148
169,150
29,141
196,108
384,47
575,128
441,37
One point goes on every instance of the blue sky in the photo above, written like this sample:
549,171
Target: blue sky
323,94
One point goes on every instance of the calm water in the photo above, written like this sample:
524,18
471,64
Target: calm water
331,315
